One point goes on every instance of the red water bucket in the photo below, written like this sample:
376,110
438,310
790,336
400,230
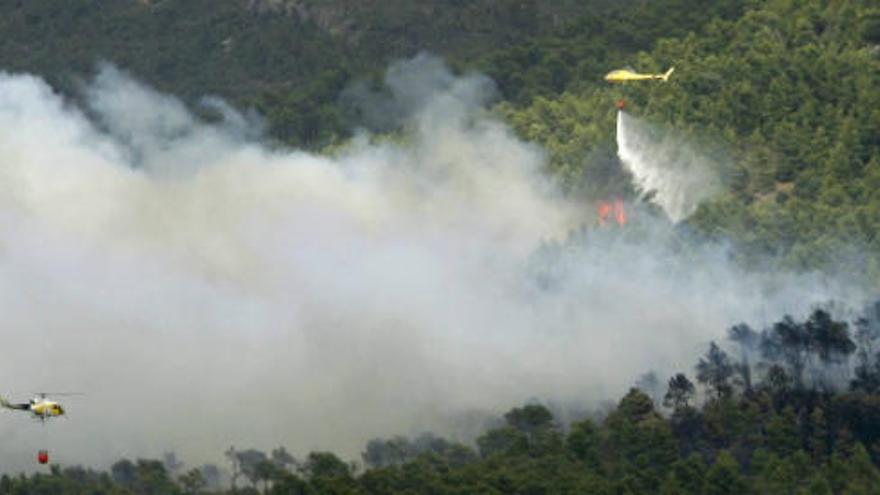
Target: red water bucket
43,456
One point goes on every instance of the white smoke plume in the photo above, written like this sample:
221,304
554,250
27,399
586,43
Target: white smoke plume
674,173
204,290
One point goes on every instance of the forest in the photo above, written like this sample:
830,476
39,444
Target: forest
793,408
787,90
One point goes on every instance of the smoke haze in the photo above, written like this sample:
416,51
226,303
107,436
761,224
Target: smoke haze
206,290
676,176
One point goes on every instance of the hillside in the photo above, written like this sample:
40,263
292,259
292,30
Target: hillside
291,59
288,59
342,277
789,90
786,422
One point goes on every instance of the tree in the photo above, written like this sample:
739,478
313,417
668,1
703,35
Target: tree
867,377
325,465
327,473
866,334
830,338
529,419
650,384
859,414
724,478
679,392
863,476
251,463
583,441
778,385
383,453
193,482
639,437
282,458
714,371
267,471
819,485
820,436
747,339
290,484
783,435
689,427
151,478
232,455
690,472
502,441
124,472
537,425
789,341
867,371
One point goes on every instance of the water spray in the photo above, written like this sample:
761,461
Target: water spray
664,166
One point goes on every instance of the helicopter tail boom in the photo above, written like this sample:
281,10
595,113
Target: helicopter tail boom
8,405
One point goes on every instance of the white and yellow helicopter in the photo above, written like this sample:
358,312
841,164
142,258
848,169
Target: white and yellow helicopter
626,75
40,407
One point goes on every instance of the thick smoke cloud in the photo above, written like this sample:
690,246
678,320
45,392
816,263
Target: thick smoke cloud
413,85
205,290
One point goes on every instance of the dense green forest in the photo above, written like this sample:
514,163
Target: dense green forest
291,59
288,59
795,410
789,89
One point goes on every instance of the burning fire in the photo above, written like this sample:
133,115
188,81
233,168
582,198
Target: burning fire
612,211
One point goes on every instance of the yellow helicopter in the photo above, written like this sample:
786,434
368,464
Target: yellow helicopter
41,407
626,75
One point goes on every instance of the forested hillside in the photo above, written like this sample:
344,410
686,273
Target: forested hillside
784,93
291,59
791,88
782,415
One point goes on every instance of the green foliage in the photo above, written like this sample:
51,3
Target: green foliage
679,392
502,441
640,442
584,443
290,62
789,88
192,482
782,433
146,476
715,371
723,477
635,450
595,42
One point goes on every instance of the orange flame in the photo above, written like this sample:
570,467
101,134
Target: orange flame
604,212
619,212
612,211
